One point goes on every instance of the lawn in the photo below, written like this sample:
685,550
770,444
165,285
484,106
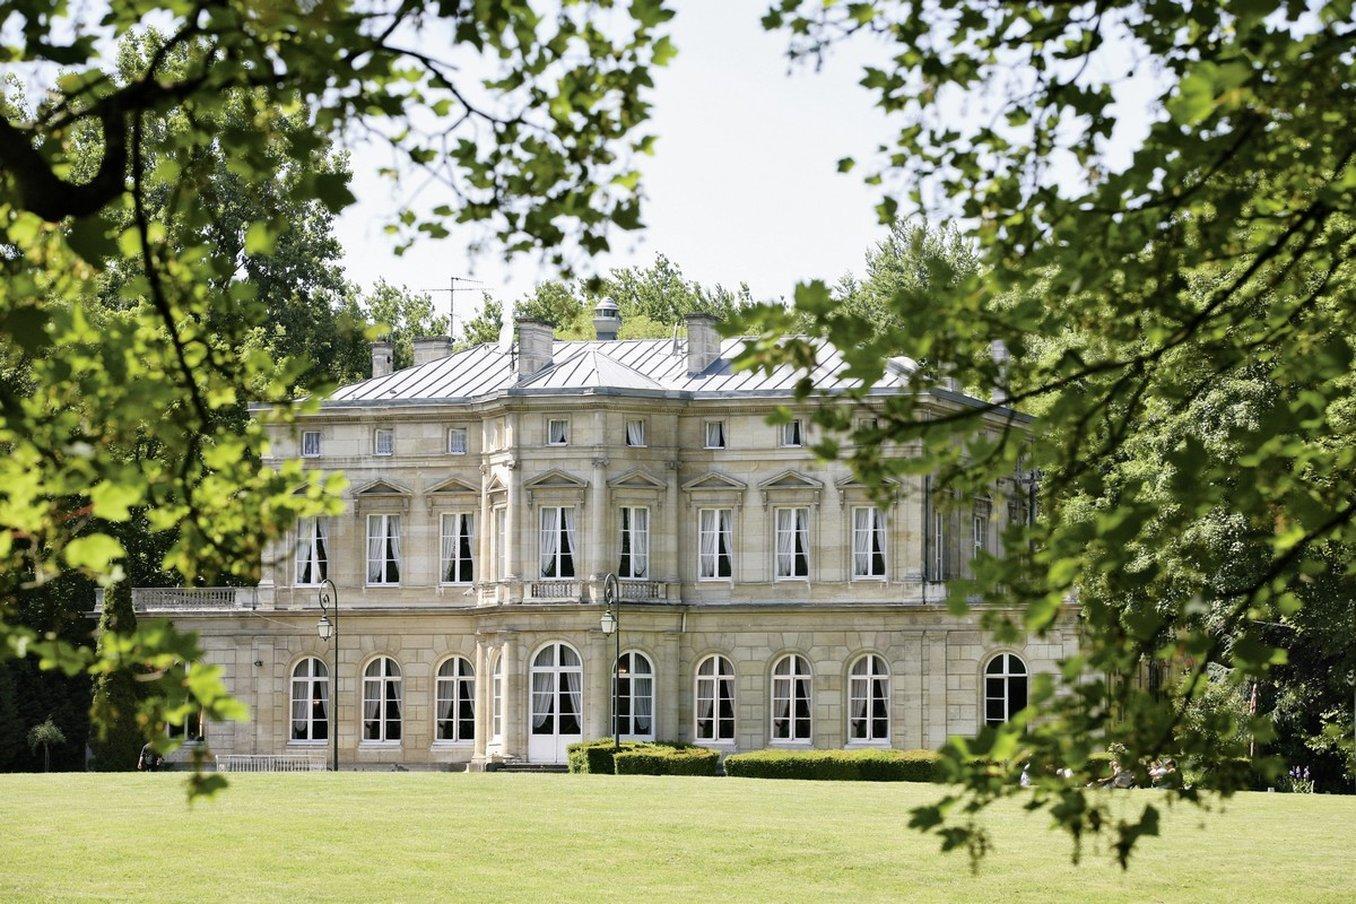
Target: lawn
427,836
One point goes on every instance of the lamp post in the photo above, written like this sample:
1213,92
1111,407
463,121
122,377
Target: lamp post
329,628
611,625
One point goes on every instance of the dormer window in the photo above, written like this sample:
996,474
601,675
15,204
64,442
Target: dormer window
715,434
557,432
456,441
383,441
792,434
310,444
635,433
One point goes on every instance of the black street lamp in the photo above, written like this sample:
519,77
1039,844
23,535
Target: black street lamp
329,628
611,625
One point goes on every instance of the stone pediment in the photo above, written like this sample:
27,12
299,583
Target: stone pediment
850,484
381,487
791,485
383,495
557,483
715,481
453,486
636,479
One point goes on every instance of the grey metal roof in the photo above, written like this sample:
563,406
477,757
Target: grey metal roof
624,366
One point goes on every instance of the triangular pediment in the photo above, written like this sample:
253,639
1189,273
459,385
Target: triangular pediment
636,479
791,480
453,485
714,480
555,478
381,487
850,482
496,485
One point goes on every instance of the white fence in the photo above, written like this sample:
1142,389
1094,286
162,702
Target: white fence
292,762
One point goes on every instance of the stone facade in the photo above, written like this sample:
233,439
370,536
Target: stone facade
509,471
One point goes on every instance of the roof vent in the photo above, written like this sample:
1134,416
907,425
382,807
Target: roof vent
607,319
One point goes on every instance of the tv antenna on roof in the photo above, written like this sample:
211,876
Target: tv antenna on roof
452,290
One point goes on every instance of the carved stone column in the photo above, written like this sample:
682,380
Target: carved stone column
515,693
598,672
483,704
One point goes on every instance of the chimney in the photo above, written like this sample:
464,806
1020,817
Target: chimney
703,345
606,319
383,354
535,340
998,350
431,348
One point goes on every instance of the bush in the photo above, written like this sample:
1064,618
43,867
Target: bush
838,765
667,759
594,756
1099,765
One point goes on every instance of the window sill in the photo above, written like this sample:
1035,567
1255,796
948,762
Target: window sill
312,744
870,745
452,745
454,584
868,579
379,745
785,743
791,580
723,745
381,586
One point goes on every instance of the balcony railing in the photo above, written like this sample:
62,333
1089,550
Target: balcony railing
640,591
188,599
555,590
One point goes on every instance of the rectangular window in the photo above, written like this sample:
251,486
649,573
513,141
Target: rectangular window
715,544
500,552
383,549
980,525
557,432
793,542
458,536
310,444
792,434
866,424
938,550
313,564
715,434
383,441
556,543
635,543
635,432
868,543
456,441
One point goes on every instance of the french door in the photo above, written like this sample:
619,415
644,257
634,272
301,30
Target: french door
557,704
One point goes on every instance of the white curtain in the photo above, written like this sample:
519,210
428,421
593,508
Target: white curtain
635,433
786,543
878,540
543,699
393,547
549,540
450,548
567,518
726,530
447,695
642,703
781,707
305,551
861,542
715,434
374,546
706,701
640,543
371,708
320,566
300,703
572,687
709,540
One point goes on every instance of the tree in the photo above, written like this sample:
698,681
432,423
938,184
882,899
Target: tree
486,326
400,316
118,736
1132,261
11,729
46,736
536,152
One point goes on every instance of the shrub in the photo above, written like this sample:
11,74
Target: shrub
594,756
667,759
838,765
1099,764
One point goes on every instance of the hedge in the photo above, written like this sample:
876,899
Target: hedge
838,765
665,759
594,756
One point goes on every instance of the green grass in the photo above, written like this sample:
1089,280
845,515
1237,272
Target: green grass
430,836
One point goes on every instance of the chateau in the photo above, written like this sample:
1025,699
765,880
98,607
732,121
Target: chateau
767,600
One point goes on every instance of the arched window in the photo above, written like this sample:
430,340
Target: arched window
869,699
310,700
456,701
557,691
1004,688
381,700
633,696
715,700
791,681
497,698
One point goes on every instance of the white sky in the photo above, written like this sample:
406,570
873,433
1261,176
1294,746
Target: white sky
742,187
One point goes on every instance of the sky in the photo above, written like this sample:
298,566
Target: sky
743,185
